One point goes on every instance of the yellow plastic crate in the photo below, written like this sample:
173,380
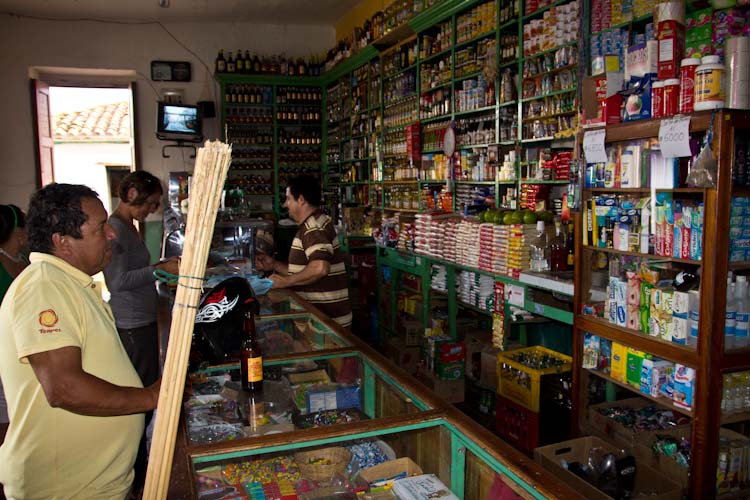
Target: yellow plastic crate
521,383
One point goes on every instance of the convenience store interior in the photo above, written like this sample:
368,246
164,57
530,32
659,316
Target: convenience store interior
527,244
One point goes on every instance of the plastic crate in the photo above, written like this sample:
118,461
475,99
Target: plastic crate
516,424
521,383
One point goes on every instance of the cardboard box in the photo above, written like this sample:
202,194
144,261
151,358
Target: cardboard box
385,473
671,36
405,356
607,428
577,450
601,101
488,377
452,391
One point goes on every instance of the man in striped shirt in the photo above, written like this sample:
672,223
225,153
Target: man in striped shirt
316,268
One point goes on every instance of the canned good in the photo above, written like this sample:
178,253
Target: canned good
671,97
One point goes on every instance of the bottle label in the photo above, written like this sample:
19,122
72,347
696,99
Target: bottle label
255,369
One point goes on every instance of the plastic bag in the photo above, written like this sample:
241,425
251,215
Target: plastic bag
704,169
260,286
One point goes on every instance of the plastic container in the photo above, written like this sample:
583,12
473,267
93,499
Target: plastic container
670,100
709,84
657,98
687,83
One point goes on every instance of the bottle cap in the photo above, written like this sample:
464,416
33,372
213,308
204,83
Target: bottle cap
690,61
540,225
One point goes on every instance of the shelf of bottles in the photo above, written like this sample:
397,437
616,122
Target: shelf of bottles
298,135
549,81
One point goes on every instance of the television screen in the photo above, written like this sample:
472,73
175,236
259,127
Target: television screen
179,122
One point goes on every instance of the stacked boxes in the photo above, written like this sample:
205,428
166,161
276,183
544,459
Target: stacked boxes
558,26
726,23
444,357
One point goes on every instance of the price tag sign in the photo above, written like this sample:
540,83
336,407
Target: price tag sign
674,137
593,146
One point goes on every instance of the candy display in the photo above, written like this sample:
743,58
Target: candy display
325,418
261,471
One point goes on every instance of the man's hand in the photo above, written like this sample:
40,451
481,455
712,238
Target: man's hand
279,281
264,262
171,266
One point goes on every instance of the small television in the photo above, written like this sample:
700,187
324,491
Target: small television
179,122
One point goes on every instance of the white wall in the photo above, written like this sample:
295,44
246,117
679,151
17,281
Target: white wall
77,163
26,43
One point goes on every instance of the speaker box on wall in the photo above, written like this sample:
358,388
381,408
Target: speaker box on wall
208,110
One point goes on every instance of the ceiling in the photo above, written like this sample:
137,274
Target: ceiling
313,12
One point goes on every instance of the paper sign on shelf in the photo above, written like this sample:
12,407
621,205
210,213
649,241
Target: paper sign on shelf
674,137
593,146
515,295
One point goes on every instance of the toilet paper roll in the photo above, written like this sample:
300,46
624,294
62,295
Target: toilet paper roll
738,94
669,11
738,44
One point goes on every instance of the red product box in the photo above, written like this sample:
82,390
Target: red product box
685,243
671,37
450,352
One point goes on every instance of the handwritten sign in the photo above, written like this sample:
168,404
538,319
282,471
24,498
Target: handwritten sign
593,146
674,137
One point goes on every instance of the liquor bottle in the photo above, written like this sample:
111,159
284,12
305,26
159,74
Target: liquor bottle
251,366
539,260
301,67
256,65
248,62
571,246
239,64
221,63
558,250
231,67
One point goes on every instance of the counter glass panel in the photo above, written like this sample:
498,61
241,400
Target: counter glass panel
363,462
300,394
296,333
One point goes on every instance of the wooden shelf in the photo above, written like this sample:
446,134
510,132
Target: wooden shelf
666,402
602,190
638,340
644,255
645,129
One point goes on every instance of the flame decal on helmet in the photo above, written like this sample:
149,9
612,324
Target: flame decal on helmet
213,312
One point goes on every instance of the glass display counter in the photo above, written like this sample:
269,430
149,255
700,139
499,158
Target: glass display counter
298,394
329,399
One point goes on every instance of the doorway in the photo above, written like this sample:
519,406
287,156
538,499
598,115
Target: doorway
92,138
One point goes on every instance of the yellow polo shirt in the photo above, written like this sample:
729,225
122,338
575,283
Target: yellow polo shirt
50,452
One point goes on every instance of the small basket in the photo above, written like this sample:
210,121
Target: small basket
321,465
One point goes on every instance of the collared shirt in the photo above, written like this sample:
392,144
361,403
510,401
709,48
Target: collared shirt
50,452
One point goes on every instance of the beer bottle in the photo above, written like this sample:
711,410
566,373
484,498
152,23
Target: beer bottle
251,366
248,62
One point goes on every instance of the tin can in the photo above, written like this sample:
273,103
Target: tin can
671,97
657,97
687,83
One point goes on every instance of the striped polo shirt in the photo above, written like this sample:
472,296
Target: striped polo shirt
316,239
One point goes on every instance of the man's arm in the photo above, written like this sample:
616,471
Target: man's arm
269,264
315,270
67,386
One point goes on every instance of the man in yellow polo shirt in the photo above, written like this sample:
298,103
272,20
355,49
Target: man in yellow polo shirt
74,399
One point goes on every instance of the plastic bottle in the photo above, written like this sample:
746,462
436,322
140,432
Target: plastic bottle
709,84
727,399
693,315
742,317
538,249
730,316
